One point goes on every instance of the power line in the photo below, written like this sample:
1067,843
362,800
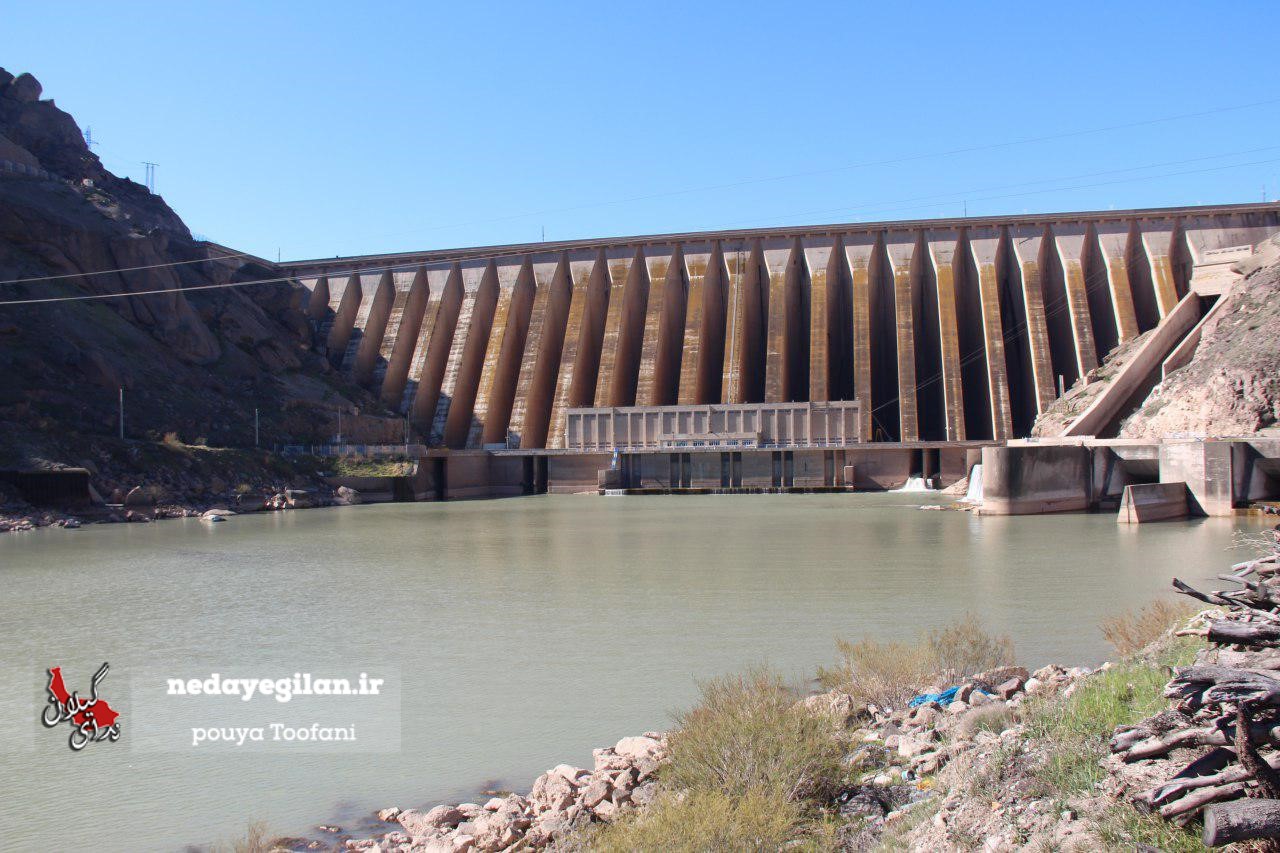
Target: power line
470,253
849,167
150,182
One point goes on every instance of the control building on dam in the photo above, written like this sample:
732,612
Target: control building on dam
943,335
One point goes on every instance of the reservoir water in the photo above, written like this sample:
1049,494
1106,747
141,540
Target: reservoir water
526,631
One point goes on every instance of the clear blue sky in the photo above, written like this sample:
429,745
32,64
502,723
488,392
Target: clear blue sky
338,128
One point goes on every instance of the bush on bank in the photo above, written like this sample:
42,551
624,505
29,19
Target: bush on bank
891,673
748,735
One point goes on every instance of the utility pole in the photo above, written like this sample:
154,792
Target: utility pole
339,425
255,427
88,138
122,414
151,175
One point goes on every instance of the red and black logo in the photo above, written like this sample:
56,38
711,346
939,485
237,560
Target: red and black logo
91,719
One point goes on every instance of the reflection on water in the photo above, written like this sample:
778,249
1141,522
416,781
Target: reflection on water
527,631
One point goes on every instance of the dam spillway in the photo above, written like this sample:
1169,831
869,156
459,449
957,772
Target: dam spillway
948,330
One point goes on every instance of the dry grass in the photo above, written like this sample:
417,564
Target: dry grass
1134,630
748,735
711,820
891,673
257,839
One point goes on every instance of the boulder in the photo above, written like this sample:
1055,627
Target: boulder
638,747
419,824
348,495
388,814
24,88
551,792
570,773
838,707
250,503
1006,689
216,514
596,791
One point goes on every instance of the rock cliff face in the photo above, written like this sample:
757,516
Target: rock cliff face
191,362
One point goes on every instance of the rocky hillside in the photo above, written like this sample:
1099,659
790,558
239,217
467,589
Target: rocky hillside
1232,385
193,364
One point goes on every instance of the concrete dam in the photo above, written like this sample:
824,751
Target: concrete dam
949,333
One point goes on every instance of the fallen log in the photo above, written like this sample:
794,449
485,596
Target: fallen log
1185,809
1211,735
1205,684
1241,820
1232,632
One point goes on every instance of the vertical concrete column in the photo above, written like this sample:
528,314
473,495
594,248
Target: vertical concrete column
984,246
401,286
537,277
406,339
817,259
580,271
546,373
943,254
1157,240
619,274
901,247
1070,242
695,264
713,349
1028,243
498,330
657,262
777,256
436,344
632,334
466,383
344,320
472,275
736,264
859,249
668,343
586,374
1113,241
512,353
375,329
318,304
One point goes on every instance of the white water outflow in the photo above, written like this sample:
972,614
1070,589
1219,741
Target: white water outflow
974,494
916,483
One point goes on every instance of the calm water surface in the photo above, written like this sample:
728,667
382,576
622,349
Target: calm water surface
527,631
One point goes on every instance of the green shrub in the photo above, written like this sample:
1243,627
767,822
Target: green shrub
892,673
747,734
704,820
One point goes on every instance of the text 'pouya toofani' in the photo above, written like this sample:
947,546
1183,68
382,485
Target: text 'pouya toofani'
283,689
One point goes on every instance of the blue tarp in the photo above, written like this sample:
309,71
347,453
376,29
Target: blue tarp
944,698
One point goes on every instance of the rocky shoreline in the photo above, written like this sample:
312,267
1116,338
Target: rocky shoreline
905,746
140,507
